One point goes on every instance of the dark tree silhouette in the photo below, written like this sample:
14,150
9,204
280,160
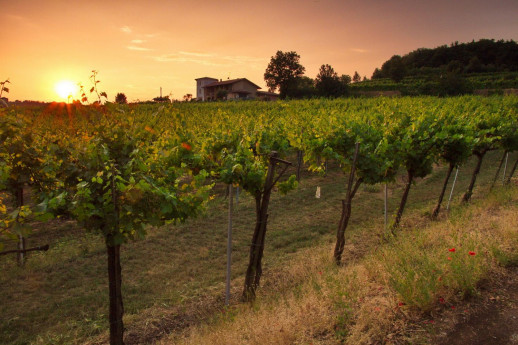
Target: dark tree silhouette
121,98
282,71
329,84
356,77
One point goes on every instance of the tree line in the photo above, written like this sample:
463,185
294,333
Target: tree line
285,74
484,55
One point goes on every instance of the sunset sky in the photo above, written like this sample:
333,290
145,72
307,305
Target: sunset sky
140,46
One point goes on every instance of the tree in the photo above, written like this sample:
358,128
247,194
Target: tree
164,99
121,98
301,87
283,70
187,97
221,94
328,84
356,77
377,74
394,68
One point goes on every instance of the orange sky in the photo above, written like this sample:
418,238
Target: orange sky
140,46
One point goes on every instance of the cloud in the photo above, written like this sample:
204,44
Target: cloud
208,59
183,58
196,54
138,48
126,29
20,20
137,41
359,50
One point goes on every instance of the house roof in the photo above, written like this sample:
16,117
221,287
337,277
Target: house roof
205,78
232,81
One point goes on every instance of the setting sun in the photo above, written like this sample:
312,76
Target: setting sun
66,89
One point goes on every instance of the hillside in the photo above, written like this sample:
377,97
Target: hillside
460,68
473,57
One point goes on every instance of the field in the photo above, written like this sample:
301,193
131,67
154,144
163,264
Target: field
173,278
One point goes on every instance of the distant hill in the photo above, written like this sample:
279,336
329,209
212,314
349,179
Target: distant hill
483,56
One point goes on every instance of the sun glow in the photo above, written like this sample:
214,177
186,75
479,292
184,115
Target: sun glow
66,89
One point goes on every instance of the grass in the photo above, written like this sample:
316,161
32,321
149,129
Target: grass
175,277
392,295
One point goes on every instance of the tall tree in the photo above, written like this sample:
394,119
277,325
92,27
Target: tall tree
356,77
394,68
282,71
328,84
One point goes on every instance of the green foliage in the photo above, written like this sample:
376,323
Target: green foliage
288,185
473,57
282,70
22,163
128,177
328,84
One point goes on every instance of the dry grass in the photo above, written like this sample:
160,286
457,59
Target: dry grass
358,303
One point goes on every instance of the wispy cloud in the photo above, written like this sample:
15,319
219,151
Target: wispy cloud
137,41
196,54
208,59
126,29
359,50
20,20
183,58
138,48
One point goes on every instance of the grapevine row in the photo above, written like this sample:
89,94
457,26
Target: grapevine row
116,169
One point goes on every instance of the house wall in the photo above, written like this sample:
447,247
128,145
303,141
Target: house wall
200,91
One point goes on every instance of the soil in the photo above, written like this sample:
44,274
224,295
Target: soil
490,318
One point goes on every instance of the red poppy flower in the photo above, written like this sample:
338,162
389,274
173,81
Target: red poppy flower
187,146
441,300
451,250
472,253
449,258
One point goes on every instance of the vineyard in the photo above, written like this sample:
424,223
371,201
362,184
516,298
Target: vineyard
135,177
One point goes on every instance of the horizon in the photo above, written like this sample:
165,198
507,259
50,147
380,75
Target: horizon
139,47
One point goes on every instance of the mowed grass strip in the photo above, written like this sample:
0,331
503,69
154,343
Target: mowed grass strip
395,294
60,297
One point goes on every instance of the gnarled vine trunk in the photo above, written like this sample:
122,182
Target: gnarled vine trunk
262,200
467,196
115,284
508,180
404,198
346,209
443,191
